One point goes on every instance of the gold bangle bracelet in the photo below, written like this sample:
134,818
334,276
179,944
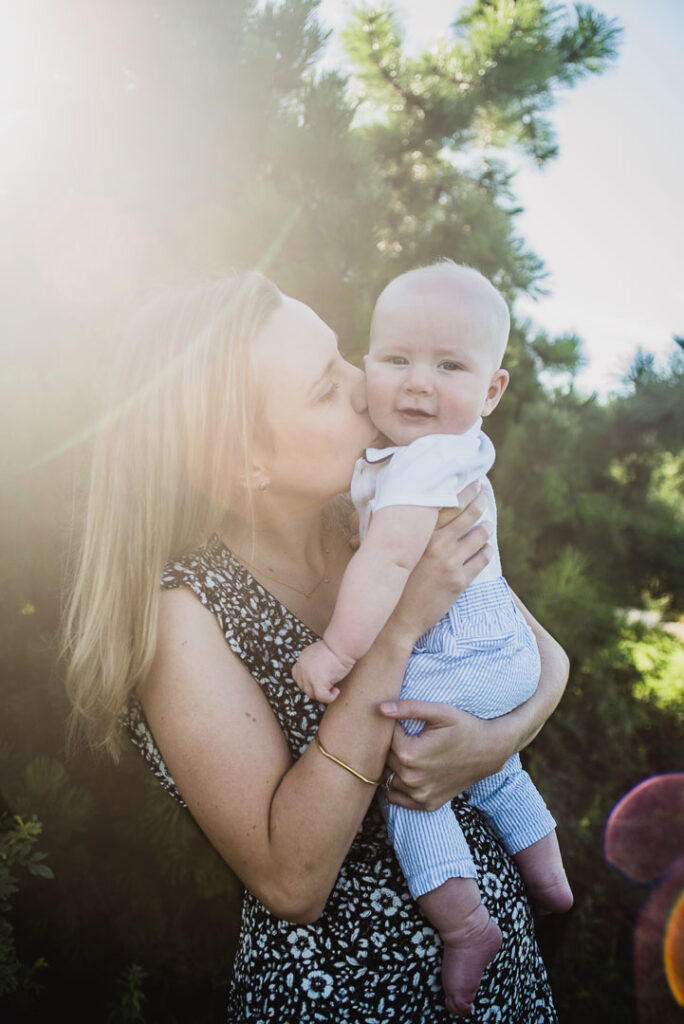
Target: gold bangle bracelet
347,768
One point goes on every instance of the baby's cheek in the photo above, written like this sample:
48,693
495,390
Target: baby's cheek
379,393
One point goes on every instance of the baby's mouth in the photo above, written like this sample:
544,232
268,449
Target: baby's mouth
415,414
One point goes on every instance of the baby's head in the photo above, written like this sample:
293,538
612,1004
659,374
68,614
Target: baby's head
437,338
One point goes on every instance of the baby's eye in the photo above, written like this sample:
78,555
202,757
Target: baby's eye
397,360
449,364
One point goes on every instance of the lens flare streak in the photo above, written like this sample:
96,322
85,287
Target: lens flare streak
674,950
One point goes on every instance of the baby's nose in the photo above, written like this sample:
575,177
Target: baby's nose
418,380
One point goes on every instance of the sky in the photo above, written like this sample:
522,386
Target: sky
607,216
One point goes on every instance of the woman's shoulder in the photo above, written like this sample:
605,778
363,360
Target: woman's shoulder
196,567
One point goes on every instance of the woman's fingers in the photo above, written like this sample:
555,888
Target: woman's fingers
466,497
416,798
460,541
444,759
473,543
466,515
411,784
457,552
396,796
469,494
465,557
430,712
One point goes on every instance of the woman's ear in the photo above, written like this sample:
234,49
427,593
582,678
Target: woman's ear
497,386
257,479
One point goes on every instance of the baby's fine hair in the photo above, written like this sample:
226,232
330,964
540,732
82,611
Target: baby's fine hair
445,270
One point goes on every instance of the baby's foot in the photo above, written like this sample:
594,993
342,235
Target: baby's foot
552,896
467,951
541,867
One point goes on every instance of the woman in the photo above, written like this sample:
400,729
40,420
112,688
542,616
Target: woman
233,426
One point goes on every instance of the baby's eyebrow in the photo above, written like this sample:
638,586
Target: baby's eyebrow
387,346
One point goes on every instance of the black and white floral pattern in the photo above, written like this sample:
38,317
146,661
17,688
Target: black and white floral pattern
372,958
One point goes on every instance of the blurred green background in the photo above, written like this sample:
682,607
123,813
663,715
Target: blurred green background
150,143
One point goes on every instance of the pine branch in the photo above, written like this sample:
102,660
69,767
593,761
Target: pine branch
590,46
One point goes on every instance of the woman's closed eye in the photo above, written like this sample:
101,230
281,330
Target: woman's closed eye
330,392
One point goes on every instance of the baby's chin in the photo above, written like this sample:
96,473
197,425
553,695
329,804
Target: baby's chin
410,432
383,441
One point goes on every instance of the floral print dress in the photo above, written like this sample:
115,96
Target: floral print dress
372,958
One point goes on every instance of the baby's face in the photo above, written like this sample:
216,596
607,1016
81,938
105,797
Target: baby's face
431,367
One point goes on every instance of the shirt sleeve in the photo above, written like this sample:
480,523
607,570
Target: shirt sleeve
433,470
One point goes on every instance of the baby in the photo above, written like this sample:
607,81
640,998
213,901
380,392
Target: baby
433,370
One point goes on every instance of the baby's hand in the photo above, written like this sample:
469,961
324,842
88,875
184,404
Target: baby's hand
318,669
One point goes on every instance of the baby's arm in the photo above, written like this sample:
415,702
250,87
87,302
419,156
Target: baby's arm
370,590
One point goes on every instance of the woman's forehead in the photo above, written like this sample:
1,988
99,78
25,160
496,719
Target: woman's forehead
295,333
295,345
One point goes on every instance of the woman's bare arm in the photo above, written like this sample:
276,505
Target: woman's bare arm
283,826
555,669
456,749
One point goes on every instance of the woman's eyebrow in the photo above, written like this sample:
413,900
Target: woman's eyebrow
326,370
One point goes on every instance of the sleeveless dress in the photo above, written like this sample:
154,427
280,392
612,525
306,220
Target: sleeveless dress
372,958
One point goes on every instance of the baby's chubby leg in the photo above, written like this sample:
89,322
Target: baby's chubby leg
471,939
541,867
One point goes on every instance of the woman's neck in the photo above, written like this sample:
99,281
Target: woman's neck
281,544
299,558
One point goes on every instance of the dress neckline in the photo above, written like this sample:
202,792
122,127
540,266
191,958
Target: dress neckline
219,548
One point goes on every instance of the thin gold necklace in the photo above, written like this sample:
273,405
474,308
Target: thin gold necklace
305,593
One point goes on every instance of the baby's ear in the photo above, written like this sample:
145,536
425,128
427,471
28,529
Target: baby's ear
497,386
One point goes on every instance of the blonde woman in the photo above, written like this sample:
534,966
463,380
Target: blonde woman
214,545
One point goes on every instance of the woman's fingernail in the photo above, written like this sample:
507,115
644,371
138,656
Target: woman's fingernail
389,707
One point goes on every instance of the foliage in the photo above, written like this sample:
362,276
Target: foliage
129,1009
432,122
138,882
175,139
659,660
17,854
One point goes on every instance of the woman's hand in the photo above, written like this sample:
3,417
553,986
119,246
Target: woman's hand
457,749
454,751
457,553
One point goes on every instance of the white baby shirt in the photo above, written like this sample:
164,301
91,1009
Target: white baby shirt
431,471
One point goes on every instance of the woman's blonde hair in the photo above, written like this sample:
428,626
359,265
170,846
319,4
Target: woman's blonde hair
171,456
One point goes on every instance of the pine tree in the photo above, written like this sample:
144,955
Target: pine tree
436,121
